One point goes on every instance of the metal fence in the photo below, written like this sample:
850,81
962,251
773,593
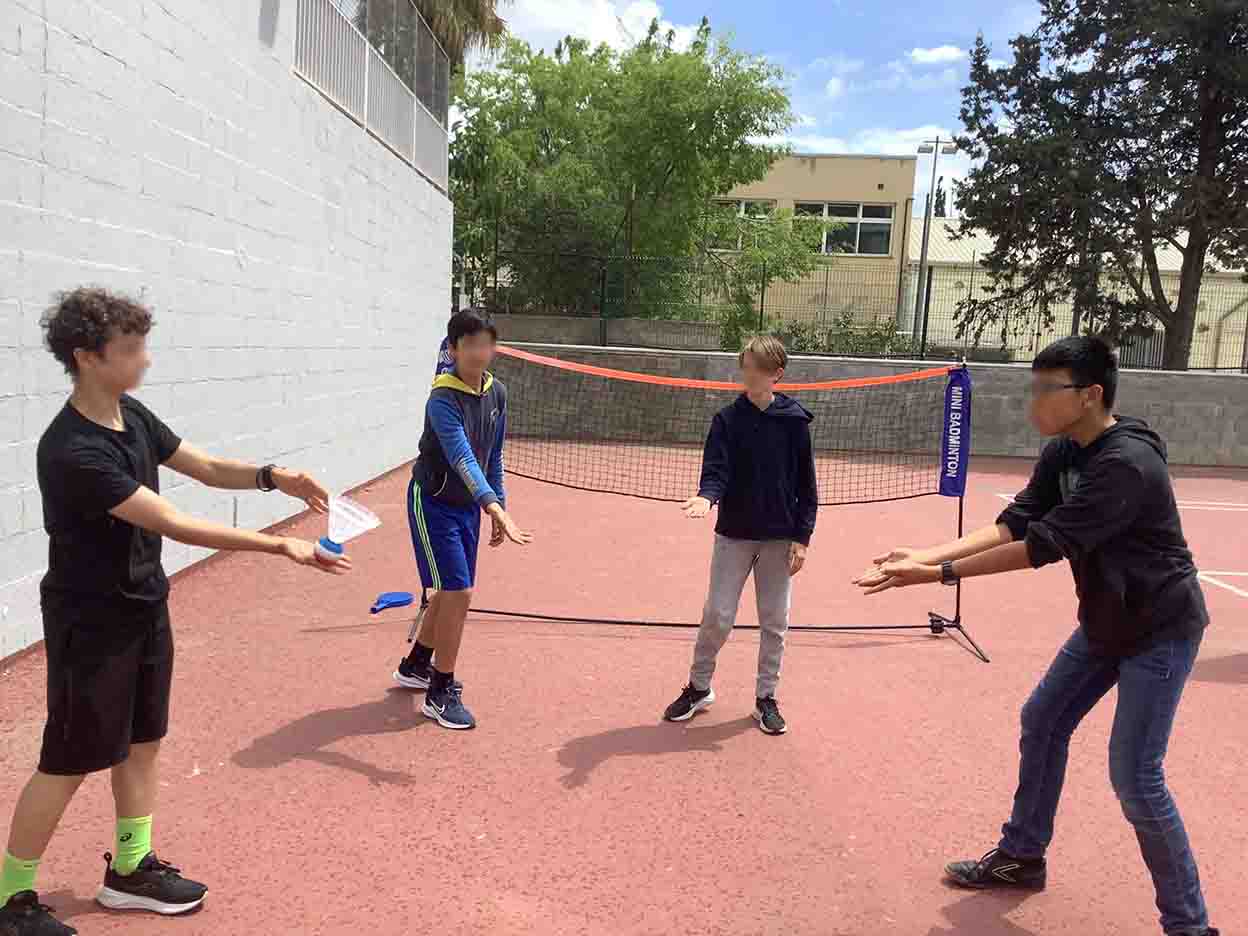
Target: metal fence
1219,342
380,63
843,307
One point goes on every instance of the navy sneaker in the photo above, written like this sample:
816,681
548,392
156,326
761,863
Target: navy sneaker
413,675
24,915
154,885
691,702
999,871
769,718
446,707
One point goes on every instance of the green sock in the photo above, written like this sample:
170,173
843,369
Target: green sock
18,875
134,841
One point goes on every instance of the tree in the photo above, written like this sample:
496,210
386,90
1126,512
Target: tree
395,29
1120,127
594,153
464,26
941,209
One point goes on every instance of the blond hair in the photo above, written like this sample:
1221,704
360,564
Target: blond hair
768,350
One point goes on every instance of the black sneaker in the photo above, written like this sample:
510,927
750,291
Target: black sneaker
413,675
998,870
769,718
154,885
691,702
447,708
24,915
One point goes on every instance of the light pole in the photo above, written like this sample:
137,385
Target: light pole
937,148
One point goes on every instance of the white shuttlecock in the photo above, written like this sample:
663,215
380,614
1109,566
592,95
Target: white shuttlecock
347,520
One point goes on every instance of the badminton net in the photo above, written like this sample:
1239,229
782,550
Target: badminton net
641,435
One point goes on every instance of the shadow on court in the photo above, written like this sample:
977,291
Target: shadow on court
68,905
582,756
981,914
1232,670
308,738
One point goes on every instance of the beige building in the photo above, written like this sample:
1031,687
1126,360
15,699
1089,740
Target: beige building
871,271
871,198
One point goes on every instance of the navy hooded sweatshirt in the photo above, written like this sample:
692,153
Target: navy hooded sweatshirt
759,468
1109,510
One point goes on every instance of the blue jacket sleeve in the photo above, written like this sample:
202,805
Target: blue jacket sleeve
449,427
807,488
494,472
716,462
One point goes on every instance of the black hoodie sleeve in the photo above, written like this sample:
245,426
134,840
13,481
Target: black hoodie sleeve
807,488
716,463
1107,500
1042,493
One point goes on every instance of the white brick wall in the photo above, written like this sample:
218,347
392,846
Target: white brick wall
299,271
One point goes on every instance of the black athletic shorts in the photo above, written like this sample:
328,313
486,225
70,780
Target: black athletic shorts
110,666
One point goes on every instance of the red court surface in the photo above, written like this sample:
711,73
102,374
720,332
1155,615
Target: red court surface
313,798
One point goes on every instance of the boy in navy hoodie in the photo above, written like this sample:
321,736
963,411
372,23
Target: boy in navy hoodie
758,467
1101,498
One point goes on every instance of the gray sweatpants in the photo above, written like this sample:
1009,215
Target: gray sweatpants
731,563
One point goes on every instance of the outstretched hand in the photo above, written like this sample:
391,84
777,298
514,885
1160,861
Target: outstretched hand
873,574
303,553
303,486
695,508
897,574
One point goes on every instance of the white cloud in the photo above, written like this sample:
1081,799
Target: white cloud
617,23
940,55
899,75
805,120
835,87
995,63
837,64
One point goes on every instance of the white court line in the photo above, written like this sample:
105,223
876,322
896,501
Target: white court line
1212,580
1215,506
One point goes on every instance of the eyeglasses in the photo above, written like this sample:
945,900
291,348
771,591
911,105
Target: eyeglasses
1044,389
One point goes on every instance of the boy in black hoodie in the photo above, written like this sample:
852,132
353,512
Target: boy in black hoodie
759,468
1100,497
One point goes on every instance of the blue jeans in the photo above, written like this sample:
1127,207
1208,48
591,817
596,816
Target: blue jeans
1150,685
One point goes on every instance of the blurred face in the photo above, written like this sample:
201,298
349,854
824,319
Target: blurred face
473,353
119,366
757,375
1059,401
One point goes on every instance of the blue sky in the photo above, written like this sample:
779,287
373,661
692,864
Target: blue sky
864,77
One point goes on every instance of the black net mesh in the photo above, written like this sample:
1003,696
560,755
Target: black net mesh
642,436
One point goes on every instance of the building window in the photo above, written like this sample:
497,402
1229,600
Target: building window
861,230
751,210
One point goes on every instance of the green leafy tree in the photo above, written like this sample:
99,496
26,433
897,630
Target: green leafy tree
1120,127
592,152
941,208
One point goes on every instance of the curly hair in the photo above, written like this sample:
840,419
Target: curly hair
86,318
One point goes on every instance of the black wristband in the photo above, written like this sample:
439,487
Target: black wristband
264,478
947,576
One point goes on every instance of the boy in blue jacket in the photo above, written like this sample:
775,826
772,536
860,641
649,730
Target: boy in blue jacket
465,424
759,469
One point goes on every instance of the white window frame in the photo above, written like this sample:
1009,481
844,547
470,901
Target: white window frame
858,219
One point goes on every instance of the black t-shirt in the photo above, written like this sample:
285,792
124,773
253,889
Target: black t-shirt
85,470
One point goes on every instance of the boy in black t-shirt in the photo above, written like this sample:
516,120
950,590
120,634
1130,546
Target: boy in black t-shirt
104,597
1100,497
